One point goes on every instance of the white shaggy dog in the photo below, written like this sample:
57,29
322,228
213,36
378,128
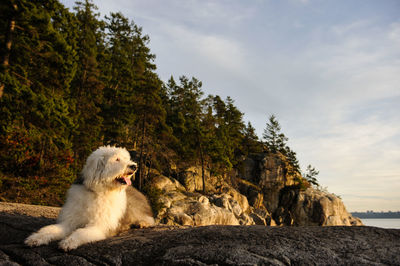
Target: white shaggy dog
99,204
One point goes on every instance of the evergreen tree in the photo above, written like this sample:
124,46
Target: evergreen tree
10,8
148,105
217,148
311,175
185,111
250,142
276,142
86,88
118,77
229,132
292,158
224,122
35,119
188,122
274,139
235,130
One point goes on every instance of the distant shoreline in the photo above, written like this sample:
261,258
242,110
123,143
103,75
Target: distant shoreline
376,215
380,218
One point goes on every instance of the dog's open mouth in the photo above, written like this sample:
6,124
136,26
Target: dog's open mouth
126,178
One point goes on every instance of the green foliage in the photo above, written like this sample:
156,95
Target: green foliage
292,159
40,190
35,115
154,194
250,142
301,183
274,139
209,130
86,87
311,175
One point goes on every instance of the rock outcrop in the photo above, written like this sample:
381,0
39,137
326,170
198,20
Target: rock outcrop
269,181
269,173
182,207
205,245
266,194
312,207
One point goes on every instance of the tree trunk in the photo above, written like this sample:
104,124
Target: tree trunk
141,164
149,168
8,42
203,178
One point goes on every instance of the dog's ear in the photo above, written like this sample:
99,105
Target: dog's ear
101,162
92,170
97,167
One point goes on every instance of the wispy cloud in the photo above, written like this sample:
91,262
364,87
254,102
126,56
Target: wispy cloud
339,101
394,33
206,49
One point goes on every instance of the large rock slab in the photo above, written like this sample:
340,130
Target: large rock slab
267,179
207,245
312,207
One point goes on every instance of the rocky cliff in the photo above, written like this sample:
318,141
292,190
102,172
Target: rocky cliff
312,207
204,245
182,207
263,191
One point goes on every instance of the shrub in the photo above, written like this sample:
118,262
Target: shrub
153,194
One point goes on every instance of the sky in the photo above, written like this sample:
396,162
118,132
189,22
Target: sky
329,70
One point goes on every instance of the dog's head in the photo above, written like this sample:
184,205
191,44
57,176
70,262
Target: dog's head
108,167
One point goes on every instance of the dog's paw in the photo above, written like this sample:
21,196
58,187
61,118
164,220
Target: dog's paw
68,244
143,224
36,239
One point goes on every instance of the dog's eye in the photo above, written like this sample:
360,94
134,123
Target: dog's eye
117,159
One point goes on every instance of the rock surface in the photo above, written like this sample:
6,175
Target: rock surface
313,207
182,207
207,245
269,172
269,181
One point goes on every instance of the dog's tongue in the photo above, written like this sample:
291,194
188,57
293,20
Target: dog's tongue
127,180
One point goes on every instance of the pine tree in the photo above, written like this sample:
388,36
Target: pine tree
132,110
250,142
10,8
274,139
276,142
217,147
184,112
118,77
86,88
311,175
292,159
235,130
224,143
35,119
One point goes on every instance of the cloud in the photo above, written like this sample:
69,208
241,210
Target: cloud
344,29
191,13
338,102
213,50
302,2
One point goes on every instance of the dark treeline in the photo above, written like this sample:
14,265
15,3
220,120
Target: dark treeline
376,215
71,81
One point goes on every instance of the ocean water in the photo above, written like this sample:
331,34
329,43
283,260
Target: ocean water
383,223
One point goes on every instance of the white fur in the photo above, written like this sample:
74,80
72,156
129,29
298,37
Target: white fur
97,208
